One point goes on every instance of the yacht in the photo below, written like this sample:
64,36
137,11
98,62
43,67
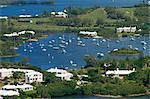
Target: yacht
56,48
103,40
60,37
143,43
30,51
64,51
100,55
50,45
136,48
97,44
44,49
62,46
132,39
144,47
69,40
25,50
53,41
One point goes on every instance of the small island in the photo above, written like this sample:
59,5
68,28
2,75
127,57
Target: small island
125,51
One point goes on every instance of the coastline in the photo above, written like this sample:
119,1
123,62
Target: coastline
119,96
9,56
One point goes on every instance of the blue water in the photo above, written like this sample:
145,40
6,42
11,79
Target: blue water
59,5
75,53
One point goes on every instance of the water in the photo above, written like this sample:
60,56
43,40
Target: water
59,5
74,58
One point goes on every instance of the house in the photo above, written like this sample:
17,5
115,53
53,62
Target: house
25,16
126,29
62,74
119,73
15,34
33,77
59,14
30,75
24,87
8,93
3,17
26,32
88,33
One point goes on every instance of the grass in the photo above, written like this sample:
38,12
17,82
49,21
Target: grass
99,13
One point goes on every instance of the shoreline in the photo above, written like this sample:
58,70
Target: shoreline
119,96
9,56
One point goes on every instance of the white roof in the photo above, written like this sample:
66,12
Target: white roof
32,32
119,72
33,73
56,70
22,32
3,17
64,75
17,86
8,93
25,16
15,70
87,32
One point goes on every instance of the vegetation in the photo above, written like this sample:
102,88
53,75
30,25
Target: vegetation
102,20
135,83
126,51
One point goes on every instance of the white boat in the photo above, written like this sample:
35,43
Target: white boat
117,41
144,47
78,38
48,54
44,49
100,55
2,6
49,62
143,43
115,49
63,42
64,51
50,45
69,40
97,44
60,37
15,48
49,41
132,39
71,62
53,41
103,40
52,57
56,48
30,51
93,39
25,50
66,43
136,48
62,46
74,64
130,46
